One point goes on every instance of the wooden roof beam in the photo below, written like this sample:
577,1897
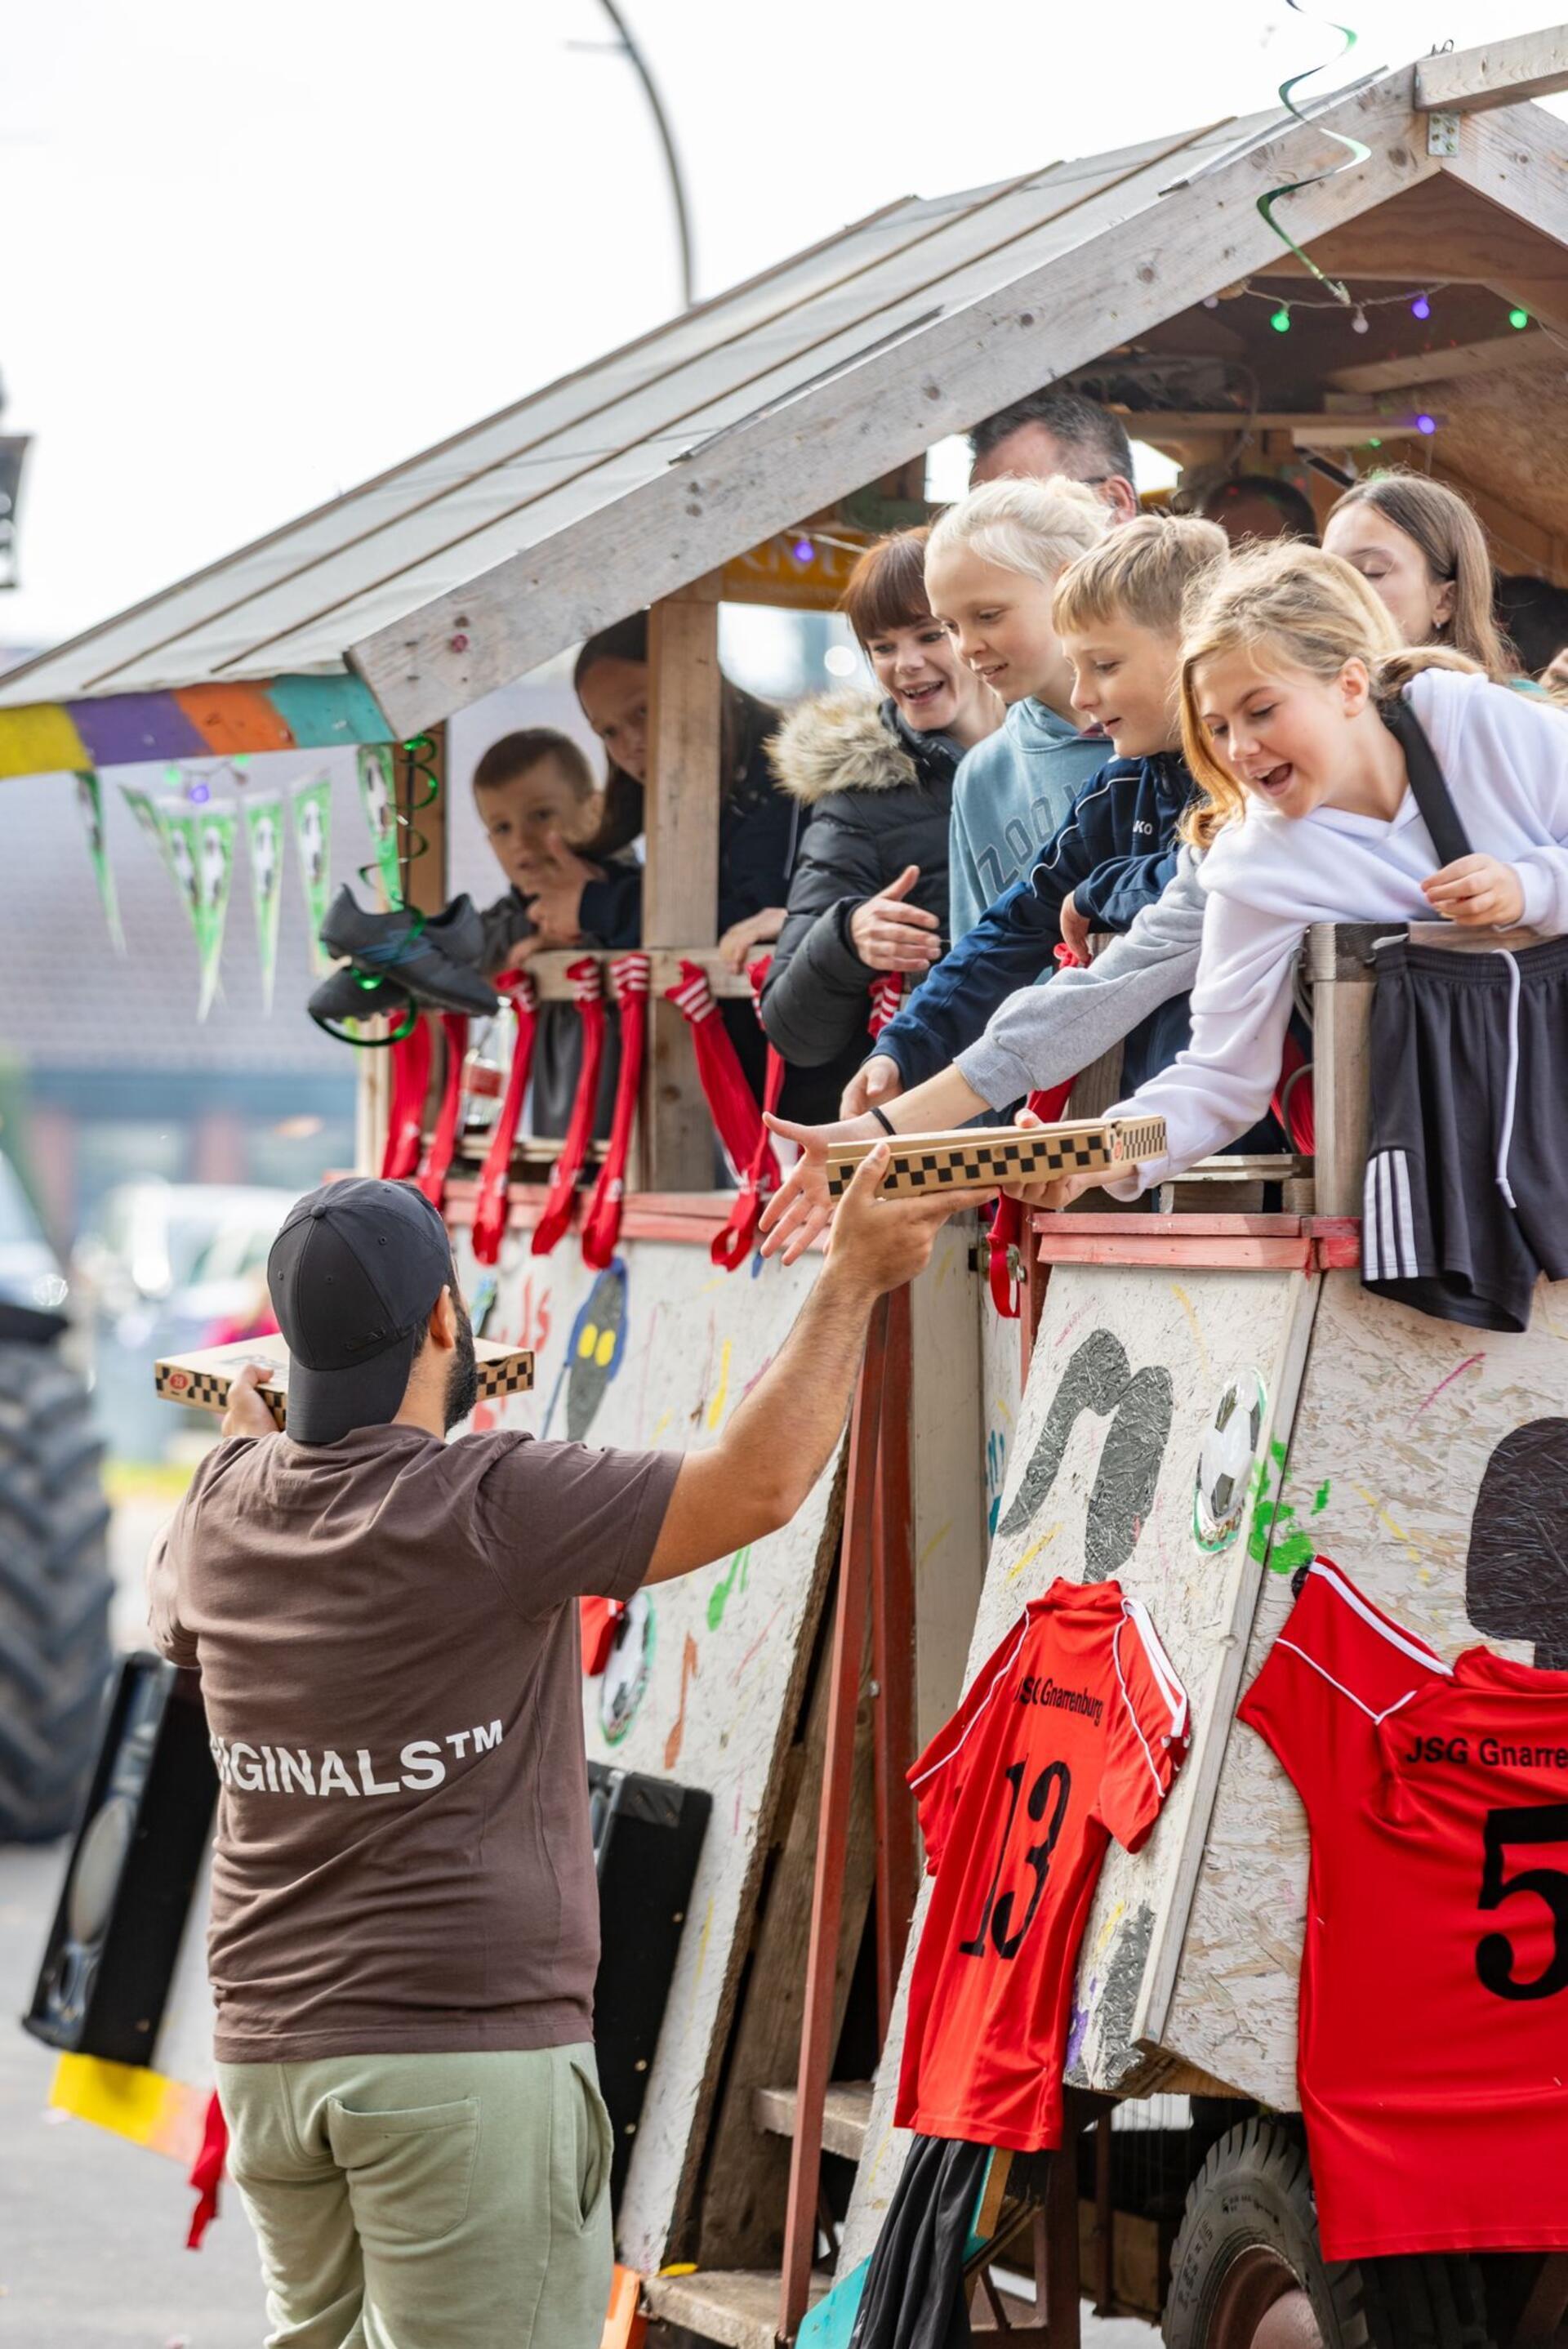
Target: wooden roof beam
1518,162
1488,356
1497,73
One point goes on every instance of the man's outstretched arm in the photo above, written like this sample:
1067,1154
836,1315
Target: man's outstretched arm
777,1444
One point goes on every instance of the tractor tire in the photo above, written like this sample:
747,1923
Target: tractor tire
55,1593
1246,2271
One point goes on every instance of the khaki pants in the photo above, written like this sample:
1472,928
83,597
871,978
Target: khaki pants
426,2201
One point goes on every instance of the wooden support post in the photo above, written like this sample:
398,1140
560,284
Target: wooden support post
1060,2229
849,1636
1104,2219
893,1664
419,791
680,885
1341,1013
421,788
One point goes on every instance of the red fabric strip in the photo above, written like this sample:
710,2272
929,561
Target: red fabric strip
207,2172
495,1176
588,987
406,1114
1007,1216
887,994
630,975
734,1244
731,1103
432,1174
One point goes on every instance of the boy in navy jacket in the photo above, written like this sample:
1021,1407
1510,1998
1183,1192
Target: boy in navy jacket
1119,611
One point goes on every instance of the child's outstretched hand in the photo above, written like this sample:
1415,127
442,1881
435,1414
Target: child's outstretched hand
555,897
800,1208
1075,930
1475,890
1060,1192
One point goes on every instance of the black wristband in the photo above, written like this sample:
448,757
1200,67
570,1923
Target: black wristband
884,1120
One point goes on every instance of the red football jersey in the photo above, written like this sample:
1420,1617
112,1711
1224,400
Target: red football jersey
1070,1735
1433,2050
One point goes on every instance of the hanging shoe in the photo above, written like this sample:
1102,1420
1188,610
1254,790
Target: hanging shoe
345,994
403,946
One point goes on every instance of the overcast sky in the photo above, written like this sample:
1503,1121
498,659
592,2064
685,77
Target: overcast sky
253,255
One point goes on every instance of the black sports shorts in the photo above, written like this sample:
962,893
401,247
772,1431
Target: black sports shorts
1466,1171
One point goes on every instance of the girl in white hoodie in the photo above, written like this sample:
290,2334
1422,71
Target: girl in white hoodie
1295,705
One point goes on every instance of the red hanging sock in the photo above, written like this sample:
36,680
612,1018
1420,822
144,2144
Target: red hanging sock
630,975
432,1175
1293,1102
598,1620
406,1114
886,996
1006,1235
588,987
207,2172
495,1176
734,1244
731,1103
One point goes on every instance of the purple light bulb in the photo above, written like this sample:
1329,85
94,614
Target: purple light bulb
803,550
1425,423
1420,307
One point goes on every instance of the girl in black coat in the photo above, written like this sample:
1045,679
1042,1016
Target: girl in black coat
869,893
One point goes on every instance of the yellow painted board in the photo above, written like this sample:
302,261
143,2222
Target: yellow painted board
41,740
165,2115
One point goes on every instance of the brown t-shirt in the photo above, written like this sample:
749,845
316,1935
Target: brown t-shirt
386,1631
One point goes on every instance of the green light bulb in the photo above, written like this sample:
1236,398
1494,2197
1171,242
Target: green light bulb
1280,321
1517,318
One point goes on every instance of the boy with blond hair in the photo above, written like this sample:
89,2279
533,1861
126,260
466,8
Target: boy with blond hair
1119,610
991,564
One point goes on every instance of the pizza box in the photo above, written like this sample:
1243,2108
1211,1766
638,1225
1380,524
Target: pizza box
979,1157
204,1379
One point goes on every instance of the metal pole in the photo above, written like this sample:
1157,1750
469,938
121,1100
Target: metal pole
666,140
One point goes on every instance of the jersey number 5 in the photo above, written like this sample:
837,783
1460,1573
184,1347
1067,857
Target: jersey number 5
1543,1823
997,1914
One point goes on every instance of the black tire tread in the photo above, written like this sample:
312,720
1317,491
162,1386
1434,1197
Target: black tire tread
55,1593
1426,2302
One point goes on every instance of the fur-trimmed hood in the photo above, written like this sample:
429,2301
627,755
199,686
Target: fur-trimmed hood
838,742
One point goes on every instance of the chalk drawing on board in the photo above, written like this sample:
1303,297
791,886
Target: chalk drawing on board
623,1682
1100,1379
594,1352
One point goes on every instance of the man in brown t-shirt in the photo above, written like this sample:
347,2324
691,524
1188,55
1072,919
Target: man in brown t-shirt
405,1923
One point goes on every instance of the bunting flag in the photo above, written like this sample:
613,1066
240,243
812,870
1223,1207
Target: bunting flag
731,1103
379,794
495,1176
406,1111
264,841
734,1244
630,974
588,987
201,843
313,838
437,1160
89,803
144,808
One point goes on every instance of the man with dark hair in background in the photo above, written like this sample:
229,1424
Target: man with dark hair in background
1056,431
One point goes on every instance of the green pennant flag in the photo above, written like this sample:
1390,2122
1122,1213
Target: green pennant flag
145,810
378,790
264,840
313,839
89,800
202,855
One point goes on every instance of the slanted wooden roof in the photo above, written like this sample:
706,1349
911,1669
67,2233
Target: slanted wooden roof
469,566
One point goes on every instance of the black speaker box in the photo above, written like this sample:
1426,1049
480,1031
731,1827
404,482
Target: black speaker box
112,1949
647,1836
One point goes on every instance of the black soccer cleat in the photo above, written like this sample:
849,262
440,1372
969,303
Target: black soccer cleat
433,961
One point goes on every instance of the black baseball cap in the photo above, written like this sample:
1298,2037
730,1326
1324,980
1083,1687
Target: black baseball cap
353,1275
